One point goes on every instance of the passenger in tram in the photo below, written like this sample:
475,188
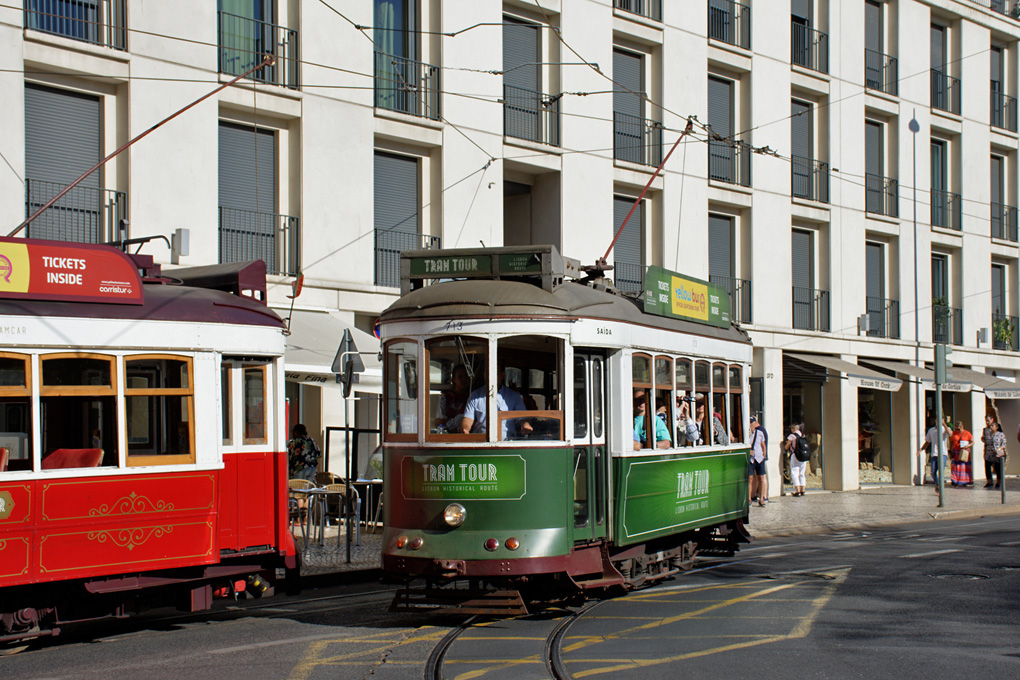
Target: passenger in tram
662,438
451,405
507,399
694,427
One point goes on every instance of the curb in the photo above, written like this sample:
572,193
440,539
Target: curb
972,513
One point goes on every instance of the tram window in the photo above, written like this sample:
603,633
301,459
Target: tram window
581,514
702,407
664,404
456,366
253,380
159,408
684,400
15,413
580,398
401,384
720,410
648,432
78,408
528,399
736,405
226,387
598,398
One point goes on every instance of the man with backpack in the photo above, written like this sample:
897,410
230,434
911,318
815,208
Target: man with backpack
800,453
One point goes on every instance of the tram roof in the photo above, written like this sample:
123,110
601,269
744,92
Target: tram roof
162,302
572,299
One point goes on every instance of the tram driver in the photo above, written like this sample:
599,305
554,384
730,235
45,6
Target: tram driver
507,399
450,409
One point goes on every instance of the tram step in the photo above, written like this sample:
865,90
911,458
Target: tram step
458,601
606,582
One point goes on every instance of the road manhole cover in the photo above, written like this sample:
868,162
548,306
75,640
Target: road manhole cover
960,577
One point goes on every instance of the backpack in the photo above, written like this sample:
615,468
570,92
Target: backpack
801,448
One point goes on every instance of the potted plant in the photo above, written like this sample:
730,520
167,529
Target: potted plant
1002,332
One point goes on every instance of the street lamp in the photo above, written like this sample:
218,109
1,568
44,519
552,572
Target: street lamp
914,128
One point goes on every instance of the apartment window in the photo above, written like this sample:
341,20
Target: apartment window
810,47
810,304
729,159
946,321
1003,215
63,139
629,251
946,210
99,23
397,214
945,89
1003,106
810,179
881,193
528,112
880,69
248,33
403,82
635,138
1004,325
251,226
730,22
722,265
883,314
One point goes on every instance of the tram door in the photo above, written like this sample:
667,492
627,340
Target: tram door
589,442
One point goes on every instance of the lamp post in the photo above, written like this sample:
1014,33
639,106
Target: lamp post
914,128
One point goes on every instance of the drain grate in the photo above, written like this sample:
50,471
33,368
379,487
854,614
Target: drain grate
960,577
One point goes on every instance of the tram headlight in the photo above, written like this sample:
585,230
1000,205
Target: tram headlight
454,514
401,541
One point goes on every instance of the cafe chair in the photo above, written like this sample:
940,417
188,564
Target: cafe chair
335,497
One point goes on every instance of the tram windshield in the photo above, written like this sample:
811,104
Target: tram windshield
530,382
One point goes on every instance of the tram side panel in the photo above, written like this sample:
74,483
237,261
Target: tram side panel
520,493
663,495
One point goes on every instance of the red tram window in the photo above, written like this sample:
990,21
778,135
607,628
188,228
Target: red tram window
79,404
254,384
159,408
15,412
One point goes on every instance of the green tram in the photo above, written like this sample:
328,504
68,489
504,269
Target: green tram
519,448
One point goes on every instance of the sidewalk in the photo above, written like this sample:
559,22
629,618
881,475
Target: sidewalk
881,505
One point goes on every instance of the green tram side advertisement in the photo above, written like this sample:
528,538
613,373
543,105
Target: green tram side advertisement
545,435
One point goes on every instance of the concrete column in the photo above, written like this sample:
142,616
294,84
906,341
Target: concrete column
771,366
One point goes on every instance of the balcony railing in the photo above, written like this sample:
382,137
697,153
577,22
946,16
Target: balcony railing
881,72
1008,7
651,9
1004,222
729,161
638,140
729,22
99,22
946,209
884,317
810,48
1004,332
740,296
1003,111
406,86
810,309
251,235
881,195
629,277
946,325
810,179
83,215
945,92
388,246
531,115
245,42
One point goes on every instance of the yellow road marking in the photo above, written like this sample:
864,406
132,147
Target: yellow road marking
314,654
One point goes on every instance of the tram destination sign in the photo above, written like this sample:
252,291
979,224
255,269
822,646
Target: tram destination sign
48,270
674,295
460,477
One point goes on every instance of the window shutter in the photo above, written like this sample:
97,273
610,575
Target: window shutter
996,69
874,258
720,106
801,11
938,276
247,168
998,300
873,26
720,246
627,80
873,153
938,48
801,129
802,265
628,247
520,54
61,135
396,193
996,180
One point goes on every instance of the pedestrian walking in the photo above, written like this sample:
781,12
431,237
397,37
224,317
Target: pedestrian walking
759,454
960,444
931,445
303,454
800,453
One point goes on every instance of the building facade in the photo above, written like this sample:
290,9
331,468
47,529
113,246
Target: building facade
851,177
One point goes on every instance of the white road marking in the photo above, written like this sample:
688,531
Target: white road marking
933,552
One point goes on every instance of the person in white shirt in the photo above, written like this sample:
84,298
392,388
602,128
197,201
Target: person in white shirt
756,484
797,466
931,446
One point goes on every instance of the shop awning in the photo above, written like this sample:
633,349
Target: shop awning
994,388
924,376
311,348
855,375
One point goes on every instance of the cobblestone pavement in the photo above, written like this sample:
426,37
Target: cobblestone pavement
814,512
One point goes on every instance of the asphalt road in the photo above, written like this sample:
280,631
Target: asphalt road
933,600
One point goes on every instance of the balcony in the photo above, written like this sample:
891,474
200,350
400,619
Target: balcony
251,235
811,309
730,162
98,22
1003,111
244,43
884,316
1004,332
83,215
531,115
881,195
945,92
810,179
637,140
1003,220
629,277
729,22
946,325
1010,8
740,296
810,48
650,9
388,246
406,86
946,210
881,72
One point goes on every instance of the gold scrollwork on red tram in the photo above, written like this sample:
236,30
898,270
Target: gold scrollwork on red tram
130,505
129,538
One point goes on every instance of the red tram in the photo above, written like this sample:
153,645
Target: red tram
140,445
